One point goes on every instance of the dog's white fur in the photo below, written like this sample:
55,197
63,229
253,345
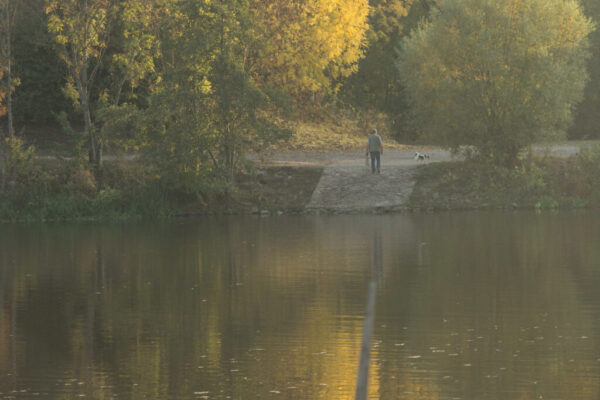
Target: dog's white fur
421,156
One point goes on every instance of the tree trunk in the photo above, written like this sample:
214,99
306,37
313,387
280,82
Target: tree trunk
87,121
82,84
117,98
100,154
8,27
84,91
232,166
2,165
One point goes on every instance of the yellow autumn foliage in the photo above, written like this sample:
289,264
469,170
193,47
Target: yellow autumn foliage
309,44
337,131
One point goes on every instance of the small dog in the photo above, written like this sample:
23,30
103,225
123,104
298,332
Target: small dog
421,156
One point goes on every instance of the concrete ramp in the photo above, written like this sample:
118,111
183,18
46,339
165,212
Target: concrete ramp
347,189
348,186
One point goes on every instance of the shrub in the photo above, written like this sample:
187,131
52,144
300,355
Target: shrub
540,183
19,159
587,166
82,181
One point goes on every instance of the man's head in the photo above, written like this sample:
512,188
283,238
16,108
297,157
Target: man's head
373,131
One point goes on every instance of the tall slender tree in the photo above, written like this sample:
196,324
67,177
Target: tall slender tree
81,30
2,162
207,109
587,115
115,38
8,11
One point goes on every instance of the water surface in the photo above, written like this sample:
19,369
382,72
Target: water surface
469,306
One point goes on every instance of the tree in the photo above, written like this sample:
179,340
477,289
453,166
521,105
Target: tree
8,11
3,150
39,95
81,30
115,39
129,67
376,83
174,132
237,101
587,115
206,110
308,45
138,45
496,74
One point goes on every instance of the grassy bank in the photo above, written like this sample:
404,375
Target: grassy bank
60,190
48,183
538,182
53,189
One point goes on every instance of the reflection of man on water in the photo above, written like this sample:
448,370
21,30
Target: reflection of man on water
369,324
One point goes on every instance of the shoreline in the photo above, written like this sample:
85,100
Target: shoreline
286,184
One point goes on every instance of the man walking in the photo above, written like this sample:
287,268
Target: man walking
375,149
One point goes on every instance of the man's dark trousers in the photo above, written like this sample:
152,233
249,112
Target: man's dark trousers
375,156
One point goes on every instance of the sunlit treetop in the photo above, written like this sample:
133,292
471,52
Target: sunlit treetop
309,43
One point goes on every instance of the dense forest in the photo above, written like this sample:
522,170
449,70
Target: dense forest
193,85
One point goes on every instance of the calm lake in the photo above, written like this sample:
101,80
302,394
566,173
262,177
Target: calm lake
469,306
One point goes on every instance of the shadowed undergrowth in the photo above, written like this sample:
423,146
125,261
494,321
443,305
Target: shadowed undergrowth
536,182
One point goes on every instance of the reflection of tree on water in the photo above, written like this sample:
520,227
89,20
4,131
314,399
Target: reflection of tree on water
96,274
493,311
8,322
156,303
246,306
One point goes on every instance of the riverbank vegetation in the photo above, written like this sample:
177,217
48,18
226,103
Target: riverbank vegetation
183,90
58,190
537,182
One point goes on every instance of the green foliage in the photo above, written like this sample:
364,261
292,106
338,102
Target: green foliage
496,74
586,116
83,32
62,192
586,176
134,55
239,126
376,84
18,160
116,124
546,202
530,177
39,67
207,110
174,136
539,183
78,139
